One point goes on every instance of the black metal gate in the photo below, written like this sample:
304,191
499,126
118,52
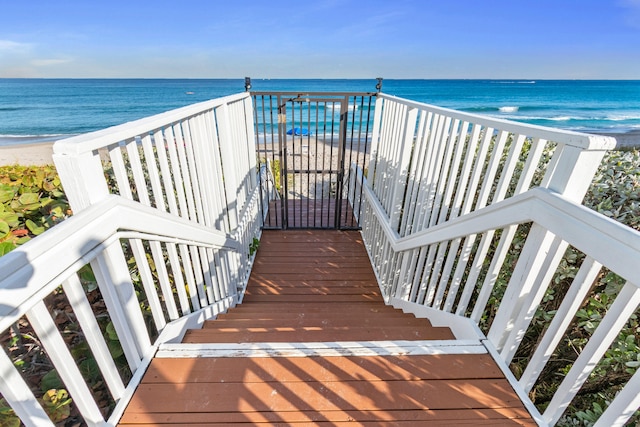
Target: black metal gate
310,141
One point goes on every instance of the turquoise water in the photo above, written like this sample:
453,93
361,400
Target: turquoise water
41,109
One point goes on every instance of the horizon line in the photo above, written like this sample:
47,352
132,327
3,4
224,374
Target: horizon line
322,78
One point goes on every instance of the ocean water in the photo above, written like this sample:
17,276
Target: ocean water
34,110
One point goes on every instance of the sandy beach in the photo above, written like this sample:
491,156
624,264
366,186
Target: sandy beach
27,154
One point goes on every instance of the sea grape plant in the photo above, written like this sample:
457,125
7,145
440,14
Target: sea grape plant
31,201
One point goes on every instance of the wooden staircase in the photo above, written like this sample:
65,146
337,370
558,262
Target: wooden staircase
315,294
309,286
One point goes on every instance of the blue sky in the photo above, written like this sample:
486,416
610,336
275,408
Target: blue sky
572,39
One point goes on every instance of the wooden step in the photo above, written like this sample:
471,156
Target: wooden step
284,299
315,334
280,289
287,316
391,390
317,321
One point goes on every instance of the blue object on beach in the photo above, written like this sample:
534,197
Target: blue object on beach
299,132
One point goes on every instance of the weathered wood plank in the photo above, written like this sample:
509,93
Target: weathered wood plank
317,321
316,334
412,368
325,396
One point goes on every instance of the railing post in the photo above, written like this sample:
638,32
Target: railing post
570,166
82,177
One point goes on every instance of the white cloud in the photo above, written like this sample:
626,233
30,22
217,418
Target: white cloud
9,45
48,62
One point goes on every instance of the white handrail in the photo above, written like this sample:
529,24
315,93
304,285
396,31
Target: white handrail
34,269
91,141
614,242
577,139
467,188
603,240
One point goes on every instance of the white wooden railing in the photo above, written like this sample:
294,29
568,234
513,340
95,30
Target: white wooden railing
457,210
95,237
180,255
444,198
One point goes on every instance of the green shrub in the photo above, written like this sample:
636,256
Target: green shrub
31,201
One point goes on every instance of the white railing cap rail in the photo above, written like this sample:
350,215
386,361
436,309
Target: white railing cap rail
35,269
576,139
88,142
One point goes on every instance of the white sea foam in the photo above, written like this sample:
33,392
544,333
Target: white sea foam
508,109
622,117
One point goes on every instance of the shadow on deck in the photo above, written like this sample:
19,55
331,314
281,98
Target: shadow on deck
314,344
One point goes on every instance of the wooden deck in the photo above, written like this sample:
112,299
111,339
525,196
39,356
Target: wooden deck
313,289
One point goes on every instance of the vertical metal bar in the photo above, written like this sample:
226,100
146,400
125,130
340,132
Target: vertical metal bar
315,162
351,111
333,121
299,167
349,218
282,142
324,151
308,163
297,206
342,144
273,154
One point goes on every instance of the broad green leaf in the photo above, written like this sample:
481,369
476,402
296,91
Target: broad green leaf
34,228
89,369
115,349
10,218
6,193
28,198
51,380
